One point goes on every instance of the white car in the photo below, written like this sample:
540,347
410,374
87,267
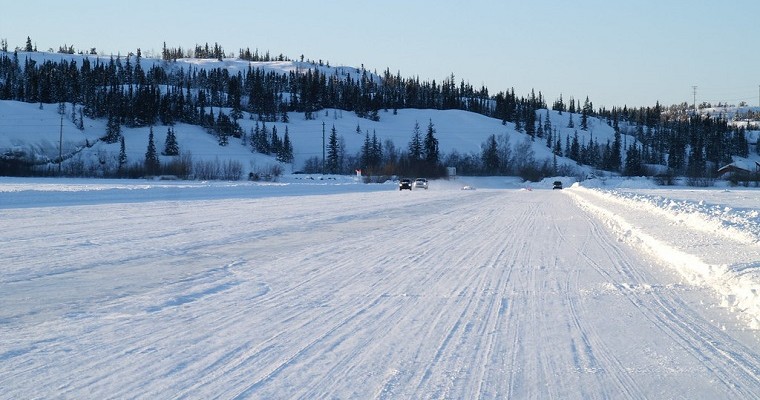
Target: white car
420,183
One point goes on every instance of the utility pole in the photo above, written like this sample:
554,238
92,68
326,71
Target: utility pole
323,147
60,147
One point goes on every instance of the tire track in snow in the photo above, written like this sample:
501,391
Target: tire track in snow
597,354
679,322
278,298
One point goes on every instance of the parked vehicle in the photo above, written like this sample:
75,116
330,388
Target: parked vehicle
405,183
421,183
557,185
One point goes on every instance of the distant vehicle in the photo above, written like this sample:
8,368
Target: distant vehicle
405,183
468,187
421,183
557,185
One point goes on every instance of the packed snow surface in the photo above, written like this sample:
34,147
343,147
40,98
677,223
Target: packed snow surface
324,287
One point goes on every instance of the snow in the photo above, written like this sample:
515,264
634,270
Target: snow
318,286
37,131
324,287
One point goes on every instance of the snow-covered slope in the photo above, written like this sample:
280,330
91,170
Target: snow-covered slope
37,131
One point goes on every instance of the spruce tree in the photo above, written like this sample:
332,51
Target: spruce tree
490,155
171,148
122,154
152,162
276,143
431,146
415,145
575,148
333,152
286,150
366,155
377,150
633,162
80,120
616,155
255,138
585,113
113,130
547,124
557,150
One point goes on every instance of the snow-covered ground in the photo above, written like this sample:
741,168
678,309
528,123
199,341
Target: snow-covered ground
323,287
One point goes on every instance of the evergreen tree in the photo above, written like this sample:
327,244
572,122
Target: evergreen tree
276,143
366,154
415,145
264,144
122,154
697,164
557,150
490,155
547,125
505,154
740,144
431,146
171,148
255,146
633,162
377,150
285,118
616,156
80,120
286,150
587,109
333,151
113,130
152,162
559,105
530,121
575,148
539,130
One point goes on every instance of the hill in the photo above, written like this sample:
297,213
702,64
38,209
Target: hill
57,107
34,132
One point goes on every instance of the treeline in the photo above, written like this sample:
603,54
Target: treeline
139,95
130,92
686,144
216,51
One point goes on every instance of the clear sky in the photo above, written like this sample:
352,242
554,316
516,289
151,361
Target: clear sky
617,53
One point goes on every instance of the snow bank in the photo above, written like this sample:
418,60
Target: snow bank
735,278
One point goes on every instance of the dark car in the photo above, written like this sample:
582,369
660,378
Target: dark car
405,184
557,185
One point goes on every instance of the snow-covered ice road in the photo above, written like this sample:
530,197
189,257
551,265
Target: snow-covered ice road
367,295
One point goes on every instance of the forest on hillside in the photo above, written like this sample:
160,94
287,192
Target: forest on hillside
127,93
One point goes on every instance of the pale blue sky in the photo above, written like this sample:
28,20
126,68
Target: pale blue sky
631,53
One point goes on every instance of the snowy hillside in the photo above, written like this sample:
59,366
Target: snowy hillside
36,131
233,65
